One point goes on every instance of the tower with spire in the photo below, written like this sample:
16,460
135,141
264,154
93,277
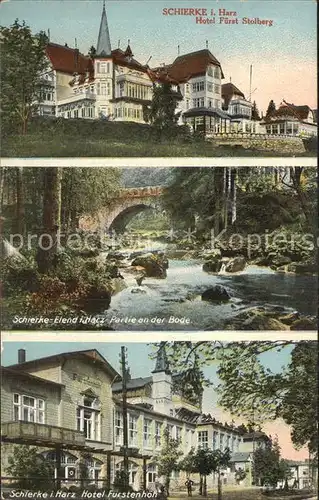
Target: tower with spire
162,383
103,69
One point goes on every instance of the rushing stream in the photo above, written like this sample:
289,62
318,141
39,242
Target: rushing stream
179,296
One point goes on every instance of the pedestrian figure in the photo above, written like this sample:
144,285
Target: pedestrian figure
189,483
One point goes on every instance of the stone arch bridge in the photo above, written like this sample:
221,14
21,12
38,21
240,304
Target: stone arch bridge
121,210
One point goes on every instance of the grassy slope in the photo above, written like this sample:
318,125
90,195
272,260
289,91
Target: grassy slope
82,138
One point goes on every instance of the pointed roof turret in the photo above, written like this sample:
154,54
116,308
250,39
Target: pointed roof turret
128,52
103,42
161,364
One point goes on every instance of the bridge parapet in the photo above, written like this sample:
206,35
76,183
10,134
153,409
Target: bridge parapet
140,192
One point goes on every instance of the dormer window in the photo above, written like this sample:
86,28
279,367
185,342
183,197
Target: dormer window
103,67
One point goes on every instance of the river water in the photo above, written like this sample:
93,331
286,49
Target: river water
175,303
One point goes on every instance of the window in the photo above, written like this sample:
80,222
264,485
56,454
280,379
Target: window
132,430
209,87
151,474
199,102
158,432
170,429
188,439
233,444
103,88
217,72
132,470
198,86
217,89
88,420
103,67
221,441
187,88
228,441
215,437
28,409
203,439
210,71
147,432
178,433
118,428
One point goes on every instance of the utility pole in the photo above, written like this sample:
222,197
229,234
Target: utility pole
250,81
124,412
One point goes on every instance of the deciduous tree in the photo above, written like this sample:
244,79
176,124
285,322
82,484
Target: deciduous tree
249,389
268,467
168,459
29,470
23,61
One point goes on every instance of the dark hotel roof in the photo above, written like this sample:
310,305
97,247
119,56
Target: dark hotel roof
189,65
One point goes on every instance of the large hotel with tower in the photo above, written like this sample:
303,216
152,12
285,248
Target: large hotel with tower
111,84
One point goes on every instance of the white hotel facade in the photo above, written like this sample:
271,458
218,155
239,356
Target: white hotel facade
71,403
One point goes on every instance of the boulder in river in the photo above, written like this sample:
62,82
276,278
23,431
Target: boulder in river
212,266
155,265
97,299
138,290
235,264
217,293
303,268
115,256
257,318
213,261
305,324
290,318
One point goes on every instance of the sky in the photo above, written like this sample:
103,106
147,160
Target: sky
141,366
283,56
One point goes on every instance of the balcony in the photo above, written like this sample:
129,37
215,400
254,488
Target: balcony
37,434
76,98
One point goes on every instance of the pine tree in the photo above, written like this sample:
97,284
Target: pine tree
271,108
162,111
255,112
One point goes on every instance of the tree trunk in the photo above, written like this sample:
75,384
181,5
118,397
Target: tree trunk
200,484
233,189
20,211
2,177
219,487
204,487
167,484
296,173
51,218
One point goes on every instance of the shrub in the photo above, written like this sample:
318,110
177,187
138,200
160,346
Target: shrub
18,275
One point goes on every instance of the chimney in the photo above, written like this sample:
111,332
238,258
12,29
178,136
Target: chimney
21,356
